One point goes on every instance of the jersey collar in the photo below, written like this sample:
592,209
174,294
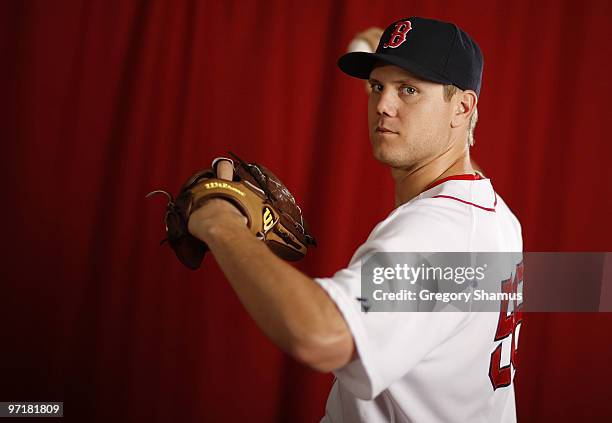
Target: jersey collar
464,177
470,189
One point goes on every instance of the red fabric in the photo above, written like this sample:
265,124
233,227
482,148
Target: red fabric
104,101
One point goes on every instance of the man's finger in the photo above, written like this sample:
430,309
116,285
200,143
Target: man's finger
224,168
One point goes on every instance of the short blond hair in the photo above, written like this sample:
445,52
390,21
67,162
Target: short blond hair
449,92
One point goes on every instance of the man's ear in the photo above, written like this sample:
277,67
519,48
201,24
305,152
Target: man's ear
464,103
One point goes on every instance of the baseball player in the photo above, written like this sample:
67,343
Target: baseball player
425,79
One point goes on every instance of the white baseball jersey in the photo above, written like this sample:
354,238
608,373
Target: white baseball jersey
428,366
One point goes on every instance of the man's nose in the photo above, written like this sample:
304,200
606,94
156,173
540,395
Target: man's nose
386,105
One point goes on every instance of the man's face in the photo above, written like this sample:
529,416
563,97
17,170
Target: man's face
408,118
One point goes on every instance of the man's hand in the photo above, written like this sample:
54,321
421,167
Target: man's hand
216,213
371,36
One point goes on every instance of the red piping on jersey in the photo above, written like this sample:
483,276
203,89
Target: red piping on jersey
467,202
466,177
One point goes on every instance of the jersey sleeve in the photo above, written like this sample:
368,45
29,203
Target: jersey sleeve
389,344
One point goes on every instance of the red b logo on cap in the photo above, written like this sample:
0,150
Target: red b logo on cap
398,36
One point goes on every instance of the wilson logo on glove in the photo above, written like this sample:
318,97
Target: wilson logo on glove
268,219
255,191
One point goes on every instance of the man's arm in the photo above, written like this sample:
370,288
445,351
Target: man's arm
291,308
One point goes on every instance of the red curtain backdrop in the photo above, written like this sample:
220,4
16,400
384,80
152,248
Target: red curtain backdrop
104,101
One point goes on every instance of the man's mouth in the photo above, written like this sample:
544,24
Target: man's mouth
383,130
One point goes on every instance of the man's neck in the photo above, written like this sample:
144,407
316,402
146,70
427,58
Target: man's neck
410,183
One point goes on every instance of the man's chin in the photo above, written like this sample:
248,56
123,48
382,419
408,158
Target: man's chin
384,156
391,157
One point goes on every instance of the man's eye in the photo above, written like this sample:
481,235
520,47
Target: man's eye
376,88
408,90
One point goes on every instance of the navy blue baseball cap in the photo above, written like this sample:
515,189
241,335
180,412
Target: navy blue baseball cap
432,50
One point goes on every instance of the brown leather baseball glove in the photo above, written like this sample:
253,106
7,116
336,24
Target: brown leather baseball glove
272,213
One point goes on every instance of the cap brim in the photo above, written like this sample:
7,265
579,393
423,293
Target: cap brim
360,64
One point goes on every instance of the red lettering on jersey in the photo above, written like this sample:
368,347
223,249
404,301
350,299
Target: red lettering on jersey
518,315
506,326
398,36
500,376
